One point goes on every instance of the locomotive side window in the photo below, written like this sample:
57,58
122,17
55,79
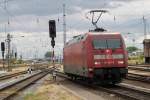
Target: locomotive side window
100,44
114,43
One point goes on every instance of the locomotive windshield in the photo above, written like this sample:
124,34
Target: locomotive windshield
114,43
100,44
108,43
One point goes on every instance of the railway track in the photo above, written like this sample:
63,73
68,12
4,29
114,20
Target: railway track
137,77
4,77
120,90
139,68
10,90
141,65
127,92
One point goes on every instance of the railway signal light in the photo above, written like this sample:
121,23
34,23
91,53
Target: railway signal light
15,55
52,34
2,46
52,31
52,28
3,51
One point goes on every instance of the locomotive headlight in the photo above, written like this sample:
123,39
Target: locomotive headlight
96,63
120,62
90,69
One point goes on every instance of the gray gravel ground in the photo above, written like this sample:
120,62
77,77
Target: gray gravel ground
83,92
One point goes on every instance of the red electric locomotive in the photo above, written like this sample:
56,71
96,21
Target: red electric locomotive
98,56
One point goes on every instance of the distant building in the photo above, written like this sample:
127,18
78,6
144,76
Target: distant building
146,44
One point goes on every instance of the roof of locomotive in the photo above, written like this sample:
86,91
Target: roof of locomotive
83,36
103,33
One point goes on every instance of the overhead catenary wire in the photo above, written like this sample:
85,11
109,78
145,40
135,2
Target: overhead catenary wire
11,14
59,20
7,1
12,17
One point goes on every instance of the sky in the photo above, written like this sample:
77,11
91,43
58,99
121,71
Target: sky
27,22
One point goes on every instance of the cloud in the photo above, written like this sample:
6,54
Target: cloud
23,16
49,7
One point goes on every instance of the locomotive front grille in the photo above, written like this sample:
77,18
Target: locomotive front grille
104,71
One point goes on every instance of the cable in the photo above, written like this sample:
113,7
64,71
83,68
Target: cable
5,1
12,16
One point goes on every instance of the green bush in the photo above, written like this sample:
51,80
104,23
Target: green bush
136,59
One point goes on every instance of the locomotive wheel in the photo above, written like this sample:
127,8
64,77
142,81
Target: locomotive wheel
71,77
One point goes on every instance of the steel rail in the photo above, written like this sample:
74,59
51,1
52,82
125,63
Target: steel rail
137,77
122,91
146,69
4,77
141,65
12,89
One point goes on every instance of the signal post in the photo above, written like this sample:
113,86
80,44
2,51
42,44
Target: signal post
52,34
3,51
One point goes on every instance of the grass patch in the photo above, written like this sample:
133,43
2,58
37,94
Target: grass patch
38,96
136,60
51,92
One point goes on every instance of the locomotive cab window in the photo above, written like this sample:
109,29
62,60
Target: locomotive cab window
100,44
109,43
114,43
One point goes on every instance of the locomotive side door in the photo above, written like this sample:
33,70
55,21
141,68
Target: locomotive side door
84,67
